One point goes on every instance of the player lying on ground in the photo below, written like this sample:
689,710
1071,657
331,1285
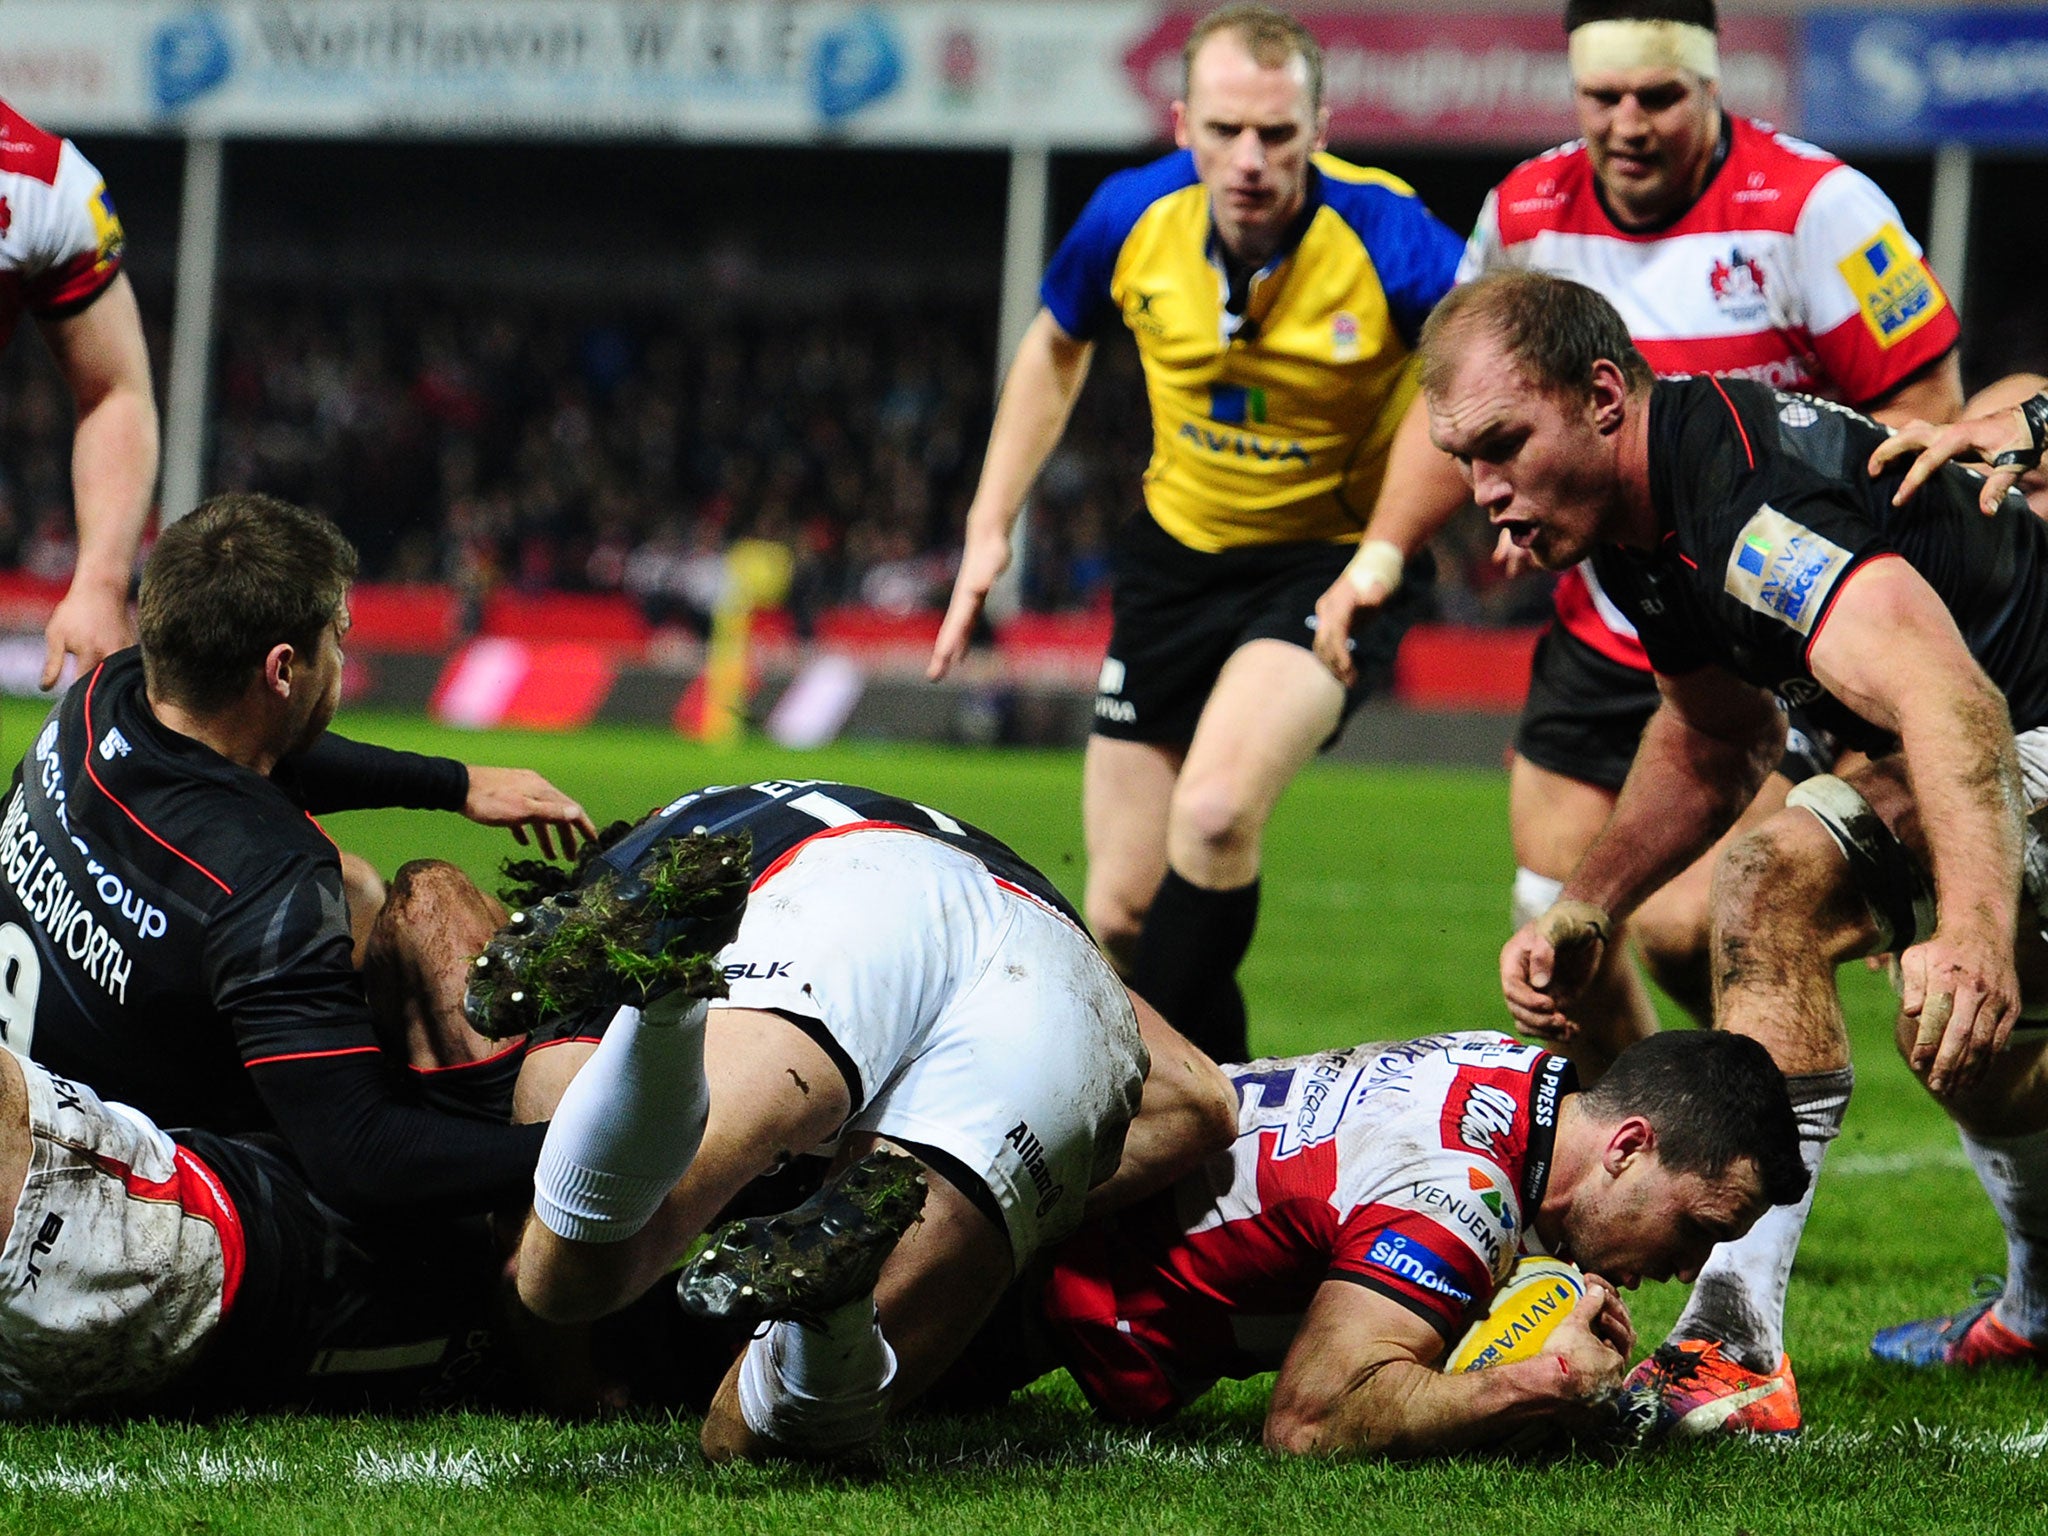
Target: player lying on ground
1739,529
902,990
216,1247
1372,1202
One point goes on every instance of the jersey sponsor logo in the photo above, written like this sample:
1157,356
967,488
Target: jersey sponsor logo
1305,1116
1482,1185
1344,337
1031,1153
1420,1266
6,216
1478,1219
1139,317
1783,569
1798,414
1237,404
1737,283
1123,711
1755,189
114,744
1111,679
1892,286
106,225
1486,1118
1546,198
1244,445
1797,691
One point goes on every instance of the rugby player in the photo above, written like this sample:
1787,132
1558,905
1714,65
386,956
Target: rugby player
1728,248
172,919
61,262
900,991
1274,293
1738,528
1373,1200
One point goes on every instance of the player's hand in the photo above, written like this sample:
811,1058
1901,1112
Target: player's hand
521,799
1977,437
1337,611
1545,966
1591,1346
89,623
1964,993
986,557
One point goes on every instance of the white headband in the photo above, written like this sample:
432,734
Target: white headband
1602,47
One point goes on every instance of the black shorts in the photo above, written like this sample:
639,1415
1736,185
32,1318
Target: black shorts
1180,614
336,1316
1585,715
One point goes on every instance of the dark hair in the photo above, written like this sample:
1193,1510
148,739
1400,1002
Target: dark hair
1270,36
1553,329
529,882
1698,13
240,574
1713,1097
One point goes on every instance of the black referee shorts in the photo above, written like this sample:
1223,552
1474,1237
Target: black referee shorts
1180,614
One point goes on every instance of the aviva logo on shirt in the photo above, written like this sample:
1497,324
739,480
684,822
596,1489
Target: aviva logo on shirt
1237,405
1892,286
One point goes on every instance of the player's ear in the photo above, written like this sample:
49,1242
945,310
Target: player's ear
1180,124
1609,399
1322,130
1631,1138
278,668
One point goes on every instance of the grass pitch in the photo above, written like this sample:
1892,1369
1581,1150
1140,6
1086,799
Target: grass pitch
1384,902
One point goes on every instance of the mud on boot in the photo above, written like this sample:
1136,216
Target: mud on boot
803,1263
621,939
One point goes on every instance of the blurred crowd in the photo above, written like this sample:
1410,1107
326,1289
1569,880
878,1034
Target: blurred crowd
484,440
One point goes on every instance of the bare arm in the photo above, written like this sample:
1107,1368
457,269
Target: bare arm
105,363
1890,651
1935,393
1703,756
1421,492
1189,1112
1361,1378
1045,380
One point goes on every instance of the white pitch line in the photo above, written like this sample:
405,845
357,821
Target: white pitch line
472,1469
1882,1164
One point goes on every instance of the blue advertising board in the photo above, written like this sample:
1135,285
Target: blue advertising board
1913,79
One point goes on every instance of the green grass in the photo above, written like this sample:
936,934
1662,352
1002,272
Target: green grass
1385,898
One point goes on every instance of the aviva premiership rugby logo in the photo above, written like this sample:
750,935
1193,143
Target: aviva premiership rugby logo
1891,285
1783,569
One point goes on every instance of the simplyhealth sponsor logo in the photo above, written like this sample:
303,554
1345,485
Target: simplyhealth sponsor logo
1420,1266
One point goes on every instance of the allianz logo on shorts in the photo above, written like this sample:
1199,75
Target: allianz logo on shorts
1107,686
1031,1153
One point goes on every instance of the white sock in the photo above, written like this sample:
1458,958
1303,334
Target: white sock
822,1388
2014,1171
628,1125
1739,1297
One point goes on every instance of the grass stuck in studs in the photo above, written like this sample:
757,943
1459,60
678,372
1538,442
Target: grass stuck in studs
620,939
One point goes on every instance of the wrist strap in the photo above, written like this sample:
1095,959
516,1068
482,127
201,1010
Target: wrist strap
1380,563
2034,412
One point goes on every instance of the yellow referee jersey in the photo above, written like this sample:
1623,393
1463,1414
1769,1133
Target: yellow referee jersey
1270,424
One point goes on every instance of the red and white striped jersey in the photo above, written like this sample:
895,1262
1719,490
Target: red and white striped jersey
60,240
1408,1167
1791,268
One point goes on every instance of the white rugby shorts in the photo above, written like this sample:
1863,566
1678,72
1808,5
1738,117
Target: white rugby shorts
980,1020
123,1258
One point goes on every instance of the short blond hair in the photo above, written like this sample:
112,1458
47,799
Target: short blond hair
1270,36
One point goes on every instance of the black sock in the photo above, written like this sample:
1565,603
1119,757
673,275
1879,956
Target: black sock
1187,959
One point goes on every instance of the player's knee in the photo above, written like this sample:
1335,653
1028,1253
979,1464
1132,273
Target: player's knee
1779,868
1116,920
1217,815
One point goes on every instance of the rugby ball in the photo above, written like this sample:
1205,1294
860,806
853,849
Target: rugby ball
1537,1295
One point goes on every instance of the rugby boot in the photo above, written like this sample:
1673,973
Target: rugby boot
622,939
1701,1391
802,1264
1963,1341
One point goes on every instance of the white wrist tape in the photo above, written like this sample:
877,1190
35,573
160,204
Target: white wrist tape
1614,47
1375,571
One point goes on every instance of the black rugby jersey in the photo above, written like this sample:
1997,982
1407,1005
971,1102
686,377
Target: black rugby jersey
783,814
1766,506
174,934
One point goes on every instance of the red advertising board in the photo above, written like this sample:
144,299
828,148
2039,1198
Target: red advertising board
1465,77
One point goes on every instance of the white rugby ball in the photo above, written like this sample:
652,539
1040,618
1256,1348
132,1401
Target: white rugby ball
1536,1296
